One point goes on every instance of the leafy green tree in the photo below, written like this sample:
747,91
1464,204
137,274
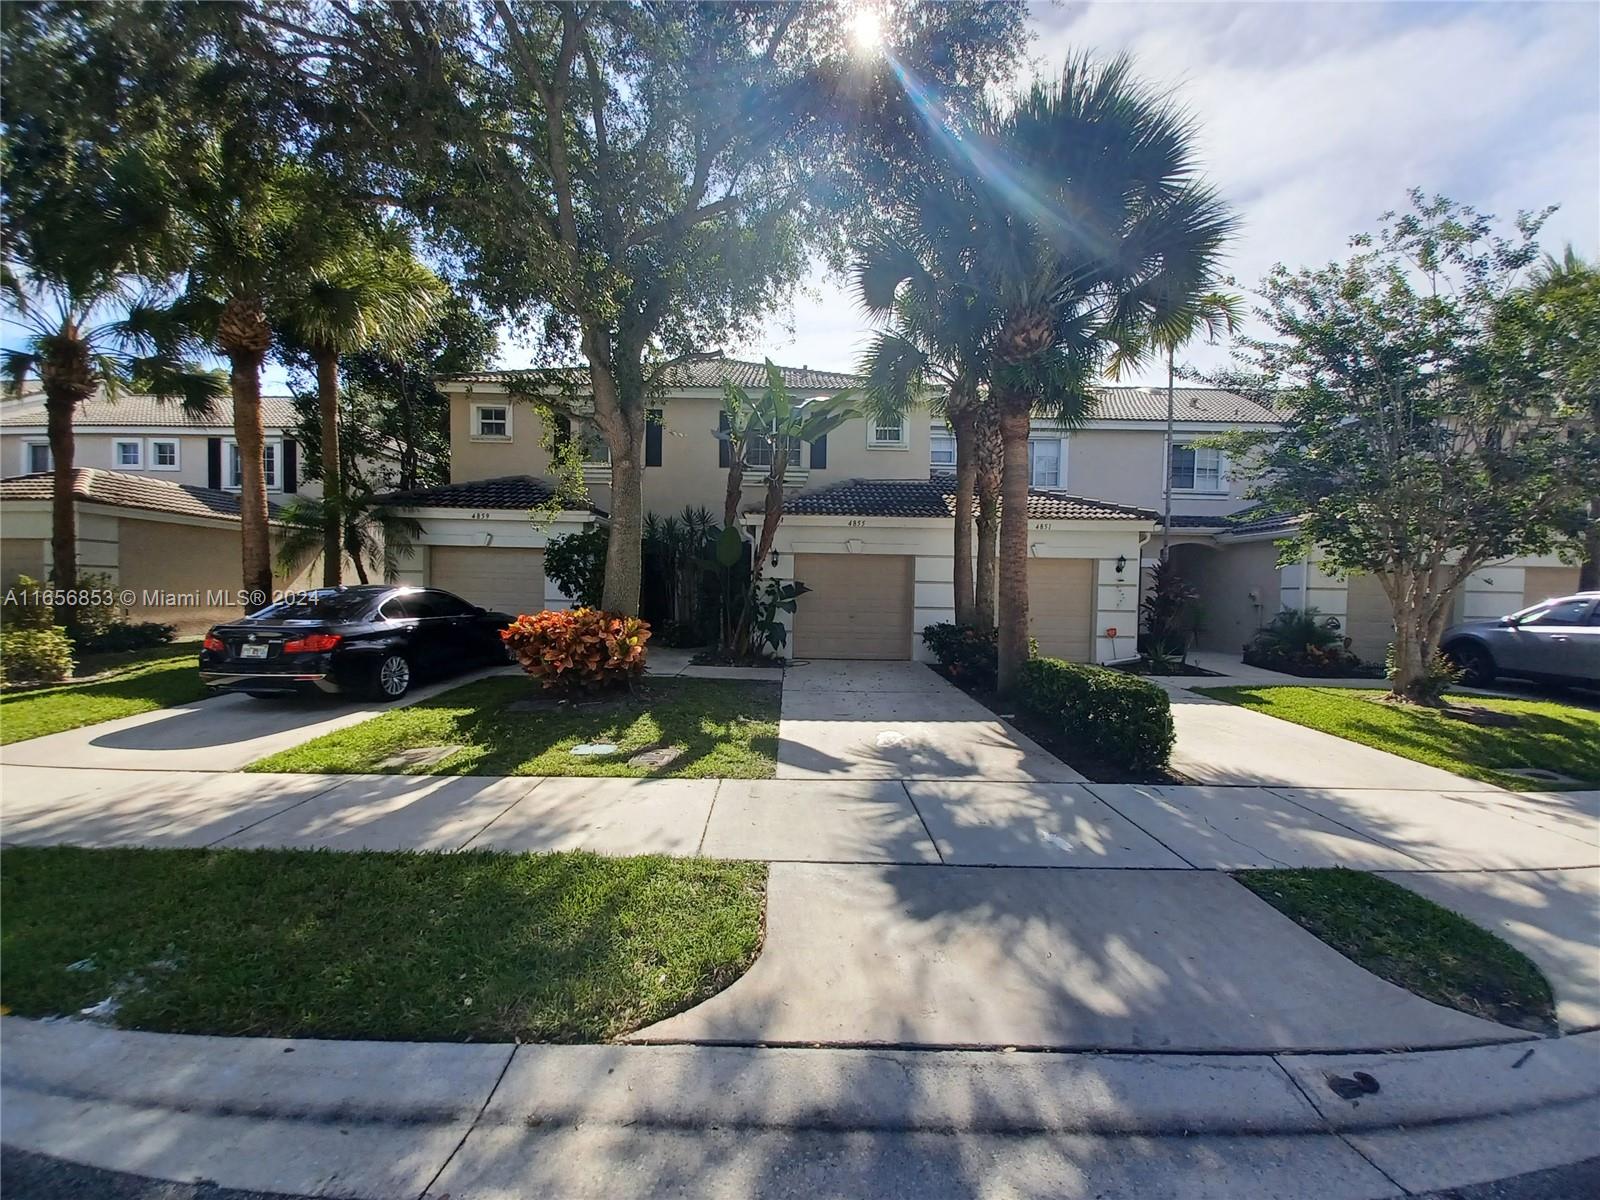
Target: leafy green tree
370,293
634,183
1549,331
1420,442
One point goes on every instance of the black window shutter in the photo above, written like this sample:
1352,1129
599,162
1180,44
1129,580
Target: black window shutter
652,438
291,467
819,454
724,449
213,462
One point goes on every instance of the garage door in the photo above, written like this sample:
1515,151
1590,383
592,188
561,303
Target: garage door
506,580
1368,618
1061,606
859,606
1540,583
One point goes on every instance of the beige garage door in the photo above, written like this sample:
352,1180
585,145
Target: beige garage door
1061,606
506,580
1368,618
1540,583
859,606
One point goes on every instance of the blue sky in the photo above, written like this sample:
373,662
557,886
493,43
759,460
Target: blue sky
1316,118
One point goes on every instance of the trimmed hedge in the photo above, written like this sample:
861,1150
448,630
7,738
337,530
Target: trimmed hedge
35,655
1119,717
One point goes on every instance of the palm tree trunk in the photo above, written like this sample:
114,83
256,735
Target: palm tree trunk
255,541
1166,487
990,457
64,513
1589,569
966,487
332,477
1013,597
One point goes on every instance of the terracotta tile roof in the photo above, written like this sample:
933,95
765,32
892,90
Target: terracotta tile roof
1194,521
1189,404
936,498
503,492
277,412
125,490
699,373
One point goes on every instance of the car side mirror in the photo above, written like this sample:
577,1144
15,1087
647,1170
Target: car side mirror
1509,621
478,610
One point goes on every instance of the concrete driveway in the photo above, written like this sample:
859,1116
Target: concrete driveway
223,733
898,720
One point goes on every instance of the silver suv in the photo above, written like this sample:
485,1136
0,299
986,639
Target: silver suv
1554,641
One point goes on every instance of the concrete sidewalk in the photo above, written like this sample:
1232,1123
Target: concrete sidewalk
380,1120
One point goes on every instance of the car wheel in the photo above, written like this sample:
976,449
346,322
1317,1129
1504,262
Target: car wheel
1475,664
391,679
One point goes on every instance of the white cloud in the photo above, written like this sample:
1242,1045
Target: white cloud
1316,118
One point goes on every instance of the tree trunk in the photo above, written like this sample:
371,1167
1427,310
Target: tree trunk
961,423
1013,596
621,421
64,513
990,456
254,535
1420,613
1589,569
1166,466
332,476
733,494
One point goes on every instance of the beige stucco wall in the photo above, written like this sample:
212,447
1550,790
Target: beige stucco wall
1226,577
22,556
689,473
1127,466
179,572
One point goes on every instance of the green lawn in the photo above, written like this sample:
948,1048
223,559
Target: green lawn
1411,942
1548,734
727,728
142,681
428,947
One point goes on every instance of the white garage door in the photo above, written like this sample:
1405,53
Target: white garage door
859,606
503,579
1061,606
1368,618
1541,583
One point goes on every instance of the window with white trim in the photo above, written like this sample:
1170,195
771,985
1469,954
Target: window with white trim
271,454
491,420
886,432
163,454
1198,469
1044,462
943,451
759,453
127,456
36,458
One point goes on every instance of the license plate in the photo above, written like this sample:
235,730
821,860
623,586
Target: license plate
248,651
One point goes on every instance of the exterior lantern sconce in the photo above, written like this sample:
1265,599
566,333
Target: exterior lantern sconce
774,558
1122,563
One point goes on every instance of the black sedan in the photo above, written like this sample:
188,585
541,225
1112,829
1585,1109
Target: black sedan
373,641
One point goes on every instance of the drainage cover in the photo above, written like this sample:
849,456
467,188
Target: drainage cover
594,749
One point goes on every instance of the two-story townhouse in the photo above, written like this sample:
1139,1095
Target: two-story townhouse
157,498
1119,453
867,525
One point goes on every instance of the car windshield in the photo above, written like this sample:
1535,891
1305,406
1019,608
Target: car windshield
317,606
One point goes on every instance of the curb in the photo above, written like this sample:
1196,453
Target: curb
380,1119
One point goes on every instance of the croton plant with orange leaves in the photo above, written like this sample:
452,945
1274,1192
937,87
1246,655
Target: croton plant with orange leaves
583,650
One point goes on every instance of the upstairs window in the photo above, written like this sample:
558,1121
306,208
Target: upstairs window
127,456
36,458
1197,469
491,421
164,454
886,432
760,454
1044,462
269,465
944,451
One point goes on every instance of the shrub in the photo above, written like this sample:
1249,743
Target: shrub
23,606
127,635
1298,642
1168,610
35,655
1119,717
1438,677
968,654
579,651
577,563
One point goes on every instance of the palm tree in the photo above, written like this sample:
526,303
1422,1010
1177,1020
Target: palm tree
1213,313
372,293
1095,227
256,231
76,348
371,534
919,279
